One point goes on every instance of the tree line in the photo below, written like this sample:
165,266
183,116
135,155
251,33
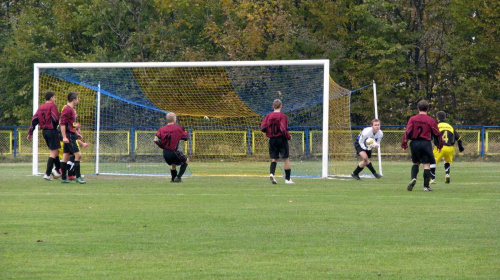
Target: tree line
445,51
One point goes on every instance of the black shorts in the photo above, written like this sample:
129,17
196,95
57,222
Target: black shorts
359,149
51,137
174,157
278,146
421,152
72,146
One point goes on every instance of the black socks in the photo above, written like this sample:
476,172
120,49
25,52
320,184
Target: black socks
182,169
414,171
273,167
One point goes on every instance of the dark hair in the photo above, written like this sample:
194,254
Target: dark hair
423,106
48,95
441,115
72,96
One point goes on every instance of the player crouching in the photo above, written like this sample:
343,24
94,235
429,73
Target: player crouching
367,140
168,138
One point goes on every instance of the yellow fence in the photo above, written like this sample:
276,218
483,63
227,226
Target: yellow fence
6,142
492,142
239,142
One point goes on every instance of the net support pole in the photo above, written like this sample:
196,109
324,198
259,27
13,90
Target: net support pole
326,111
376,116
36,100
98,128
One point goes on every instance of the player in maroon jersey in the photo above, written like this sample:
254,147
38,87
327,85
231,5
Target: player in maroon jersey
70,136
275,125
419,130
168,138
47,117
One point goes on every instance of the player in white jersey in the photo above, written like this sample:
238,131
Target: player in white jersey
364,149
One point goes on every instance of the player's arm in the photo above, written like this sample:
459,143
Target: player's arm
406,135
62,124
55,116
263,125
157,139
78,132
437,134
376,144
184,135
362,139
34,123
63,132
459,141
82,144
284,127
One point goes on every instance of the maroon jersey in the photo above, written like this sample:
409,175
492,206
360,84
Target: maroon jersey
168,137
47,117
421,127
275,124
68,118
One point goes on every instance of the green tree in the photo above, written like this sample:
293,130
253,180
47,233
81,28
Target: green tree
378,47
470,87
422,50
253,30
29,38
445,51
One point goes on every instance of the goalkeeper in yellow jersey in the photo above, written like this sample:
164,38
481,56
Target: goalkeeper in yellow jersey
450,136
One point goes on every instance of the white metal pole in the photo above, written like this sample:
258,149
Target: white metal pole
36,100
326,111
98,128
376,116
183,64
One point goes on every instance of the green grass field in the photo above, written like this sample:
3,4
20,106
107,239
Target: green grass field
247,228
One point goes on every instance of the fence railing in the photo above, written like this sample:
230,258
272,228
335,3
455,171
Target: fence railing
477,140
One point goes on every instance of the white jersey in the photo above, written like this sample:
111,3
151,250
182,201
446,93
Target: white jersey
368,133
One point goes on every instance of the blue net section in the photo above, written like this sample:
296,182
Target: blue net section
119,83
296,86
116,113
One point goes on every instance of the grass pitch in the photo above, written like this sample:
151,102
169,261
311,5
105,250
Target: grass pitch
247,228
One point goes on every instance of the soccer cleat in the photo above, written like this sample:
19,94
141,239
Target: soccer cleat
289,181
447,179
271,177
79,180
72,178
378,176
411,184
47,177
432,181
66,181
55,174
355,176
177,180
428,189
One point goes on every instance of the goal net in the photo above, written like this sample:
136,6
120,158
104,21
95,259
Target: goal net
220,105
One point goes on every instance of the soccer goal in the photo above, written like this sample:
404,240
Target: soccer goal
220,104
